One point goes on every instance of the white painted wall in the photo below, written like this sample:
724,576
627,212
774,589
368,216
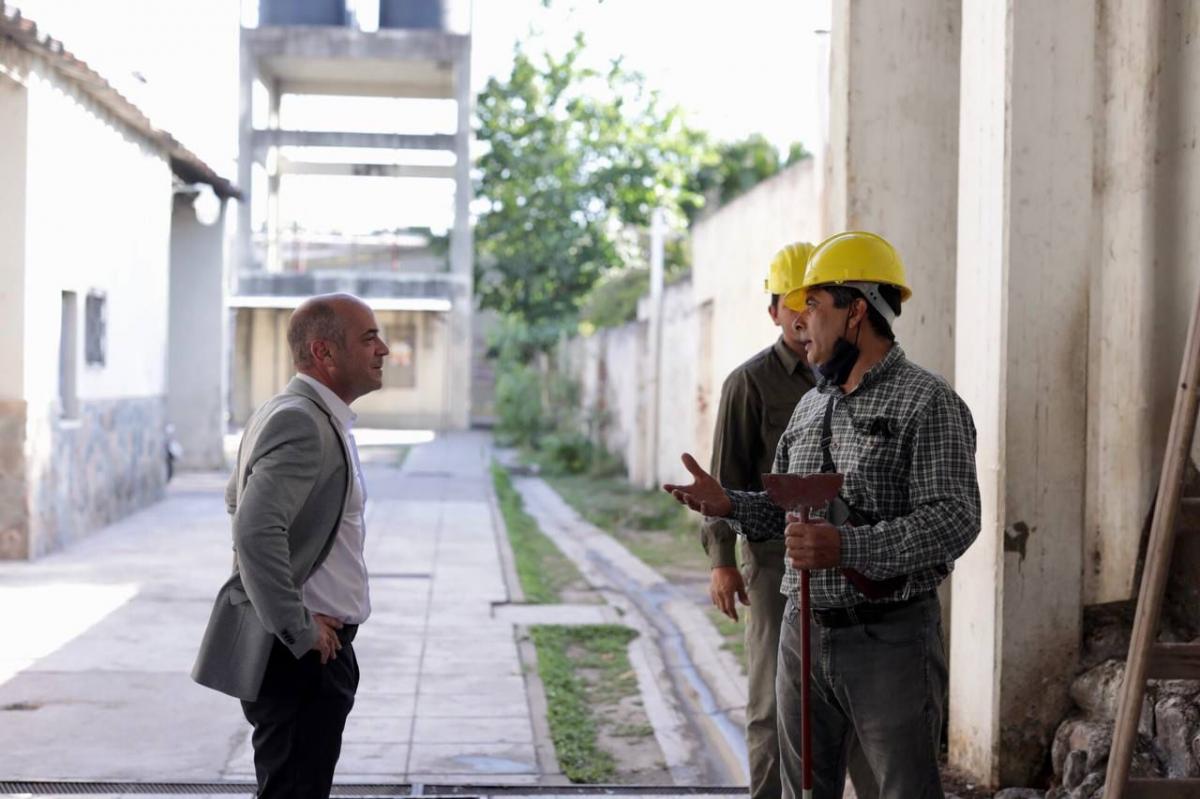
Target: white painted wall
13,178
197,322
98,218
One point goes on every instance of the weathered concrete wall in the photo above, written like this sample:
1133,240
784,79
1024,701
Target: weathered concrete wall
711,323
731,250
198,327
892,164
104,465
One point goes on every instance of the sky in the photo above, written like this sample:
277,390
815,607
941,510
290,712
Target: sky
736,69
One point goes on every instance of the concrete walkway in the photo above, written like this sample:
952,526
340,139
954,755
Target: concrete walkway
99,641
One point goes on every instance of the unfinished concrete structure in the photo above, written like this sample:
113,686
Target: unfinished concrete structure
317,48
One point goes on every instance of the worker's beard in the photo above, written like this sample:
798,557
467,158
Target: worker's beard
837,367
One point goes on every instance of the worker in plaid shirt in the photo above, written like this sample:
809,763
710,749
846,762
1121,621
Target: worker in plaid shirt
909,507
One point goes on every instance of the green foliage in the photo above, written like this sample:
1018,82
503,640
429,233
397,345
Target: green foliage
563,653
542,569
572,157
733,168
518,405
613,301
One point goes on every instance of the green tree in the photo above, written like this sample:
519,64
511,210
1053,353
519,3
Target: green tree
733,168
573,158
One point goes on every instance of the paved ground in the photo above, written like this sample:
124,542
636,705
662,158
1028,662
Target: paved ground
99,641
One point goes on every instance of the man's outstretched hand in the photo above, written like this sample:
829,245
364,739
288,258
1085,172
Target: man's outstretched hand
704,495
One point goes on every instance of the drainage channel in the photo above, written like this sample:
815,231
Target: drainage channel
700,705
81,787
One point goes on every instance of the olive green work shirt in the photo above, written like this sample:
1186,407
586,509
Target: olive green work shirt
757,400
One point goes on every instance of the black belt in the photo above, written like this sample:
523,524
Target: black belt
346,633
865,613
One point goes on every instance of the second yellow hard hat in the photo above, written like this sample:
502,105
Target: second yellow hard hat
788,267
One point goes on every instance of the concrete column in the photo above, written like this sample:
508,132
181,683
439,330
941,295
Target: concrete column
247,68
1123,459
274,258
1025,228
893,141
196,338
458,349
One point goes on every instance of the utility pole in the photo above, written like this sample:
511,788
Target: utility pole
658,229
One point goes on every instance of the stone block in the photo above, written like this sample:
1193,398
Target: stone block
1176,721
1098,690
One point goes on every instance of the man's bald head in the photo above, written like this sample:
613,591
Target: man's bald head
320,318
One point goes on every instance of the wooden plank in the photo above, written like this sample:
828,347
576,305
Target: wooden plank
1174,662
1162,789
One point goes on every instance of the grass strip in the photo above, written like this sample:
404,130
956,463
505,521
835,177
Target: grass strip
542,569
583,670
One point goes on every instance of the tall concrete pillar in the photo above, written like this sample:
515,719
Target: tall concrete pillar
1124,446
274,256
892,164
461,254
1025,228
246,75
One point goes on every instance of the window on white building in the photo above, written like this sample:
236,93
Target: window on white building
68,356
95,328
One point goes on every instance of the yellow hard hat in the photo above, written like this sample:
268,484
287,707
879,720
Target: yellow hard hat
787,268
848,258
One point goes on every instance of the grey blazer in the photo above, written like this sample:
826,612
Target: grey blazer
286,495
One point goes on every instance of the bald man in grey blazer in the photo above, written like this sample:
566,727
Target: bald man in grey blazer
281,631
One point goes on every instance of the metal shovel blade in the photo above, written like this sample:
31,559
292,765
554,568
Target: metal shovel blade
796,492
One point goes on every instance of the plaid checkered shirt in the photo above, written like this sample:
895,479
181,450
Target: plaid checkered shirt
906,445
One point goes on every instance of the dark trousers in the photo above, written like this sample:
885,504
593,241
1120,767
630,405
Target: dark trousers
298,720
884,681
763,574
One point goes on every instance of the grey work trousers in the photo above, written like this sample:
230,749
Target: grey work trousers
763,567
884,682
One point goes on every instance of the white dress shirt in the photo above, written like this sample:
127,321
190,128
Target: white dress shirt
338,588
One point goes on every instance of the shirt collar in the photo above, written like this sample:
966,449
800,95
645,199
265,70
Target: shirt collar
340,410
876,373
789,359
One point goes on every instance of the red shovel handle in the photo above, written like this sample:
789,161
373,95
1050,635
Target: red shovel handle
806,675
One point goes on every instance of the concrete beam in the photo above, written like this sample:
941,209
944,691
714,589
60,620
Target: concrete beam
351,44
1024,252
423,90
263,139
289,167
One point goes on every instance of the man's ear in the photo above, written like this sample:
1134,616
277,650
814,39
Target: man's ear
773,310
858,311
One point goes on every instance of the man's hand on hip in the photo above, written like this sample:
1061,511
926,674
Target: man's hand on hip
816,545
327,643
703,494
725,585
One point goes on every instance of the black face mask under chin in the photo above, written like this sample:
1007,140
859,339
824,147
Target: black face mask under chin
836,369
